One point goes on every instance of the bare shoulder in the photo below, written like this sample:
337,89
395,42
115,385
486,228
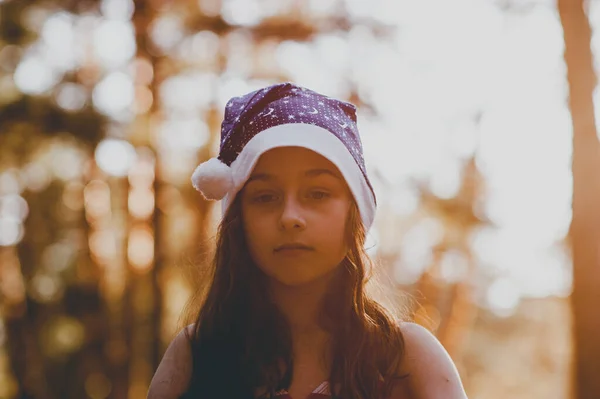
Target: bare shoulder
431,372
173,374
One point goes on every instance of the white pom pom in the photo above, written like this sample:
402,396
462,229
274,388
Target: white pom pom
213,179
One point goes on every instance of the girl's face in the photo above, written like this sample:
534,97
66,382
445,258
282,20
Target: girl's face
295,206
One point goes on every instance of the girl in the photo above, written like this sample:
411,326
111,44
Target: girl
286,314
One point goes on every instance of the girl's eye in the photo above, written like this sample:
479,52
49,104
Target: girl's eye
264,198
319,195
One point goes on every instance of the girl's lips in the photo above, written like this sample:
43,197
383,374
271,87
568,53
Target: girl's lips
293,248
293,252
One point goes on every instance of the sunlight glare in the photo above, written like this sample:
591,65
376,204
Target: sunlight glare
416,248
454,266
446,180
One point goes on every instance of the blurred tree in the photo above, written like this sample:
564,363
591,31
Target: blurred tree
31,125
585,226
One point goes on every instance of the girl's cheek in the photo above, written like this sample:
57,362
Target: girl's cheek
258,220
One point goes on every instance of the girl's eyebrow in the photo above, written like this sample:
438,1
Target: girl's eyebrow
308,173
318,172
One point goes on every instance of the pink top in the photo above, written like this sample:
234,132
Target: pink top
323,392
320,392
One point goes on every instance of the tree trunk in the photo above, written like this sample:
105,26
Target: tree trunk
585,227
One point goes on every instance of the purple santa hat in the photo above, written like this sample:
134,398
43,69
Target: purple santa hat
286,115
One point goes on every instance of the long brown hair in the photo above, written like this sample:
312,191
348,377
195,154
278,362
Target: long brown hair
241,341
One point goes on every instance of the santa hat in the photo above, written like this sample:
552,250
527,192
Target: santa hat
285,115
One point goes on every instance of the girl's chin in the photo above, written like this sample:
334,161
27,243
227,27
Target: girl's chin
298,280
294,282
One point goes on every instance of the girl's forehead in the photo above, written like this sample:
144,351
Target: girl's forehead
292,157
293,161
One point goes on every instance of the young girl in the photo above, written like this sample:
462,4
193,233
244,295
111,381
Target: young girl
286,314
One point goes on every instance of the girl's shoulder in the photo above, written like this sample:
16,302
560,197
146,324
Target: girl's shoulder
173,374
430,371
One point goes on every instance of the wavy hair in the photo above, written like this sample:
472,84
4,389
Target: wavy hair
241,341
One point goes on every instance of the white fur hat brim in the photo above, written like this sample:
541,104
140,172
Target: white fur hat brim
216,181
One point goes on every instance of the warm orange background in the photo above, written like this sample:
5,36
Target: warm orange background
106,107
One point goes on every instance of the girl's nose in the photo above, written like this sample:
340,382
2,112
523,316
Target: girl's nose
292,215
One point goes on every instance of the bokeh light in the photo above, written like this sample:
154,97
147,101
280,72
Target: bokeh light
141,203
117,9
97,199
183,134
14,206
58,34
61,336
11,231
243,12
73,196
166,31
103,246
140,249
35,176
59,256
187,93
114,43
114,95
34,76
115,157
45,288
98,386
71,97
12,285
503,297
